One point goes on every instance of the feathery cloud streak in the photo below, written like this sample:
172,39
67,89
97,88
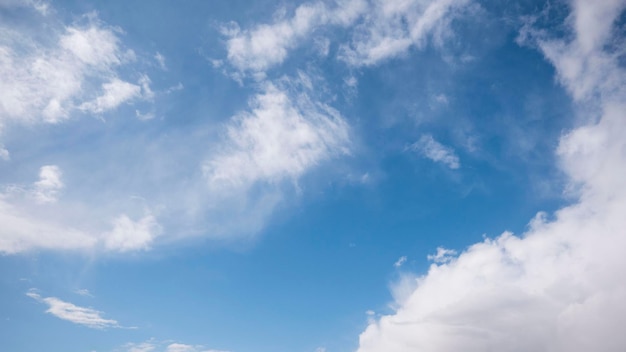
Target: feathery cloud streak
78,315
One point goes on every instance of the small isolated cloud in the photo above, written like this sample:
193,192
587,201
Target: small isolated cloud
128,235
4,153
79,315
114,93
160,59
83,292
144,116
400,261
166,346
443,255
428,147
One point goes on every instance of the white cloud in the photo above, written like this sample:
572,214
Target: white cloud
393,26
561,285
4,153
79,315
31,218
166,346
443,255
400,261
280,138
83,292
144,116
24,218
47,72
22,231
129,235
381,29
160,60
437,152
266,45
114,93
265,151
140,347
47,188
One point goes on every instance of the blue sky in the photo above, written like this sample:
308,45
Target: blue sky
314,176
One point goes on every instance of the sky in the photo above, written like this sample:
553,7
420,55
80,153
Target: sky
312,176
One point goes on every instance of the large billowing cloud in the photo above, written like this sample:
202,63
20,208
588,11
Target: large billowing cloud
561,286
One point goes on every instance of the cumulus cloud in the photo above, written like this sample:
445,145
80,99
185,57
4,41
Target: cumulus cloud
428,147
78,315
130,235
560,286
48,72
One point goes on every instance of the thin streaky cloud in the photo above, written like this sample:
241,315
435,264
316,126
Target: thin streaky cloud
429,148
88,317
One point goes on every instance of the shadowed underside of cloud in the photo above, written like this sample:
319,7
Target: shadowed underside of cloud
561,285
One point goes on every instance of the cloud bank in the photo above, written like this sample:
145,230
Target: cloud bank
560,286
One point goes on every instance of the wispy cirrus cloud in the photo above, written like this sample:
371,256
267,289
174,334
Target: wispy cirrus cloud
379,30
559,286
266,45
281,137
88,317
429,148
286,133
390,28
